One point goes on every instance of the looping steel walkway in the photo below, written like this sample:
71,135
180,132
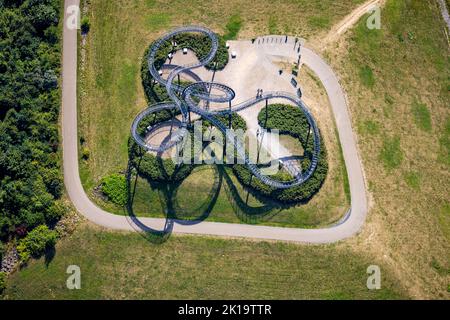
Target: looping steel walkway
201,90
348,227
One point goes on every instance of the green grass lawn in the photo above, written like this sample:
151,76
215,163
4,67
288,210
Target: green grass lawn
126,266
292,144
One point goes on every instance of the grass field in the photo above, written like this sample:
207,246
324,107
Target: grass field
398,84
197,268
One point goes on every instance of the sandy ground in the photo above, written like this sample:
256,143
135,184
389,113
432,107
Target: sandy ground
250,71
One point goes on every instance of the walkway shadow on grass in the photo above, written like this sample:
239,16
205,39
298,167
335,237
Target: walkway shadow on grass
173,211
200,213
245,212
149,233
175,214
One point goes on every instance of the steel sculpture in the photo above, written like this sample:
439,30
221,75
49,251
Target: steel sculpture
187,98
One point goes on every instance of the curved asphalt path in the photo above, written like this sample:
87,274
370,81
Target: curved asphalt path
347,228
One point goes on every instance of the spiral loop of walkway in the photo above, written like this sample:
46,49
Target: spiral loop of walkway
186,99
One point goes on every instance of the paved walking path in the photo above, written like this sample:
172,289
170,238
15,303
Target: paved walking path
350,226
445,17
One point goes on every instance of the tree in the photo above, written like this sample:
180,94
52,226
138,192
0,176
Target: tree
85,25
2,281
30,176
36,242
2,251
115,188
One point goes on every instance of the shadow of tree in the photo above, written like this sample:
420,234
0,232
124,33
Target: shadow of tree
152,235
246,212
49,255
175,213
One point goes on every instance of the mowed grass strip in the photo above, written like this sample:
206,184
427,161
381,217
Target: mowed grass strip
127,266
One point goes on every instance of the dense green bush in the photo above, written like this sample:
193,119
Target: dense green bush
30,177
237,122
155,168
36,242
2,250
115,188
197,43
154,118
85,25
289,120
286,118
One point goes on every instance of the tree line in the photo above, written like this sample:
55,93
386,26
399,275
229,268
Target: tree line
30,174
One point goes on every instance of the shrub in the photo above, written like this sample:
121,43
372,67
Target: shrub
85,25
289,120
155,168
197,43
85,153
36,242
115,188
2,281
55,212
237,122
2,250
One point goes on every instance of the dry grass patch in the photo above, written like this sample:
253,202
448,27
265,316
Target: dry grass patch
401,119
